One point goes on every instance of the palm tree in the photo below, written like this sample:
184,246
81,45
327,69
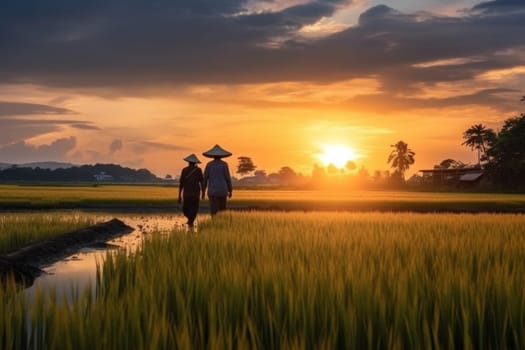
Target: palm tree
401,157
450,164
478,137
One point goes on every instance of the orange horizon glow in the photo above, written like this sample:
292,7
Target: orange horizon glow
158,132
337,155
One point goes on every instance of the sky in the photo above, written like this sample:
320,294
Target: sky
144,83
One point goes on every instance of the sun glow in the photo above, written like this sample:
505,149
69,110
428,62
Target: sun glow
337,155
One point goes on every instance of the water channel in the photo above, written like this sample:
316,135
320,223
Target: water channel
78,271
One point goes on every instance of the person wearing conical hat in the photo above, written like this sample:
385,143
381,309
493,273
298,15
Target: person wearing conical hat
190,188
217,179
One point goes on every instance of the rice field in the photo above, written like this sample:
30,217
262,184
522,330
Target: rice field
297,280
124,197
20,229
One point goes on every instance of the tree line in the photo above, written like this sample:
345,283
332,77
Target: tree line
501,154
84,173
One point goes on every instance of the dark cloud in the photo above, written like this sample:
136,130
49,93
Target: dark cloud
20,121
19,108
406,52
384,103
77,9
500,5
115,146
377,12
20,152
289,19
116,43
13,130
128,45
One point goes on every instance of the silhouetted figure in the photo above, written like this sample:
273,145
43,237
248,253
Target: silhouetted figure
217,179
190,187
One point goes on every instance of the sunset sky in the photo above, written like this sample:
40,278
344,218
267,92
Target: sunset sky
144,83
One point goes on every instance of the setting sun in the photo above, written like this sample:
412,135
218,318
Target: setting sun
337,155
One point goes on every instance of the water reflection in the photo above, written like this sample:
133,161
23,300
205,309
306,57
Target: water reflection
78,271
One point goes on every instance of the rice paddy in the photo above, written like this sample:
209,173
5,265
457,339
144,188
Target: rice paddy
296,280
20,229
147,198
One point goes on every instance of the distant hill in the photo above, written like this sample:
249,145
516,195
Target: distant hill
84,173
41,165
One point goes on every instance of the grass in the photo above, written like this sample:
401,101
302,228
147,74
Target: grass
66,197
300,281
164,198
378,201
20,229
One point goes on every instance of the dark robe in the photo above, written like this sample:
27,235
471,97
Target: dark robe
190,185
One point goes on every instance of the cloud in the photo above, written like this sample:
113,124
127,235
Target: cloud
285,23
59,100
500,5
17,129
20,121
384,103
174,43
377,12
19,108
164,42
21,152
143,146
92,157
84,126
115,146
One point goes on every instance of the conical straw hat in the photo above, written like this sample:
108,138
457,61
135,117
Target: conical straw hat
216,151
192,158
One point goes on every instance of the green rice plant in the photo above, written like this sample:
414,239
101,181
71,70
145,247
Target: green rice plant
12,317
20,229
67,197
164,198
377,201
301,280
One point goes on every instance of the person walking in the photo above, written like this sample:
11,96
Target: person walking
217,179
190,187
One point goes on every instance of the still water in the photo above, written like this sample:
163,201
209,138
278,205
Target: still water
78,271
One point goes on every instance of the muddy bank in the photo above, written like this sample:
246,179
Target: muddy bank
26,264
